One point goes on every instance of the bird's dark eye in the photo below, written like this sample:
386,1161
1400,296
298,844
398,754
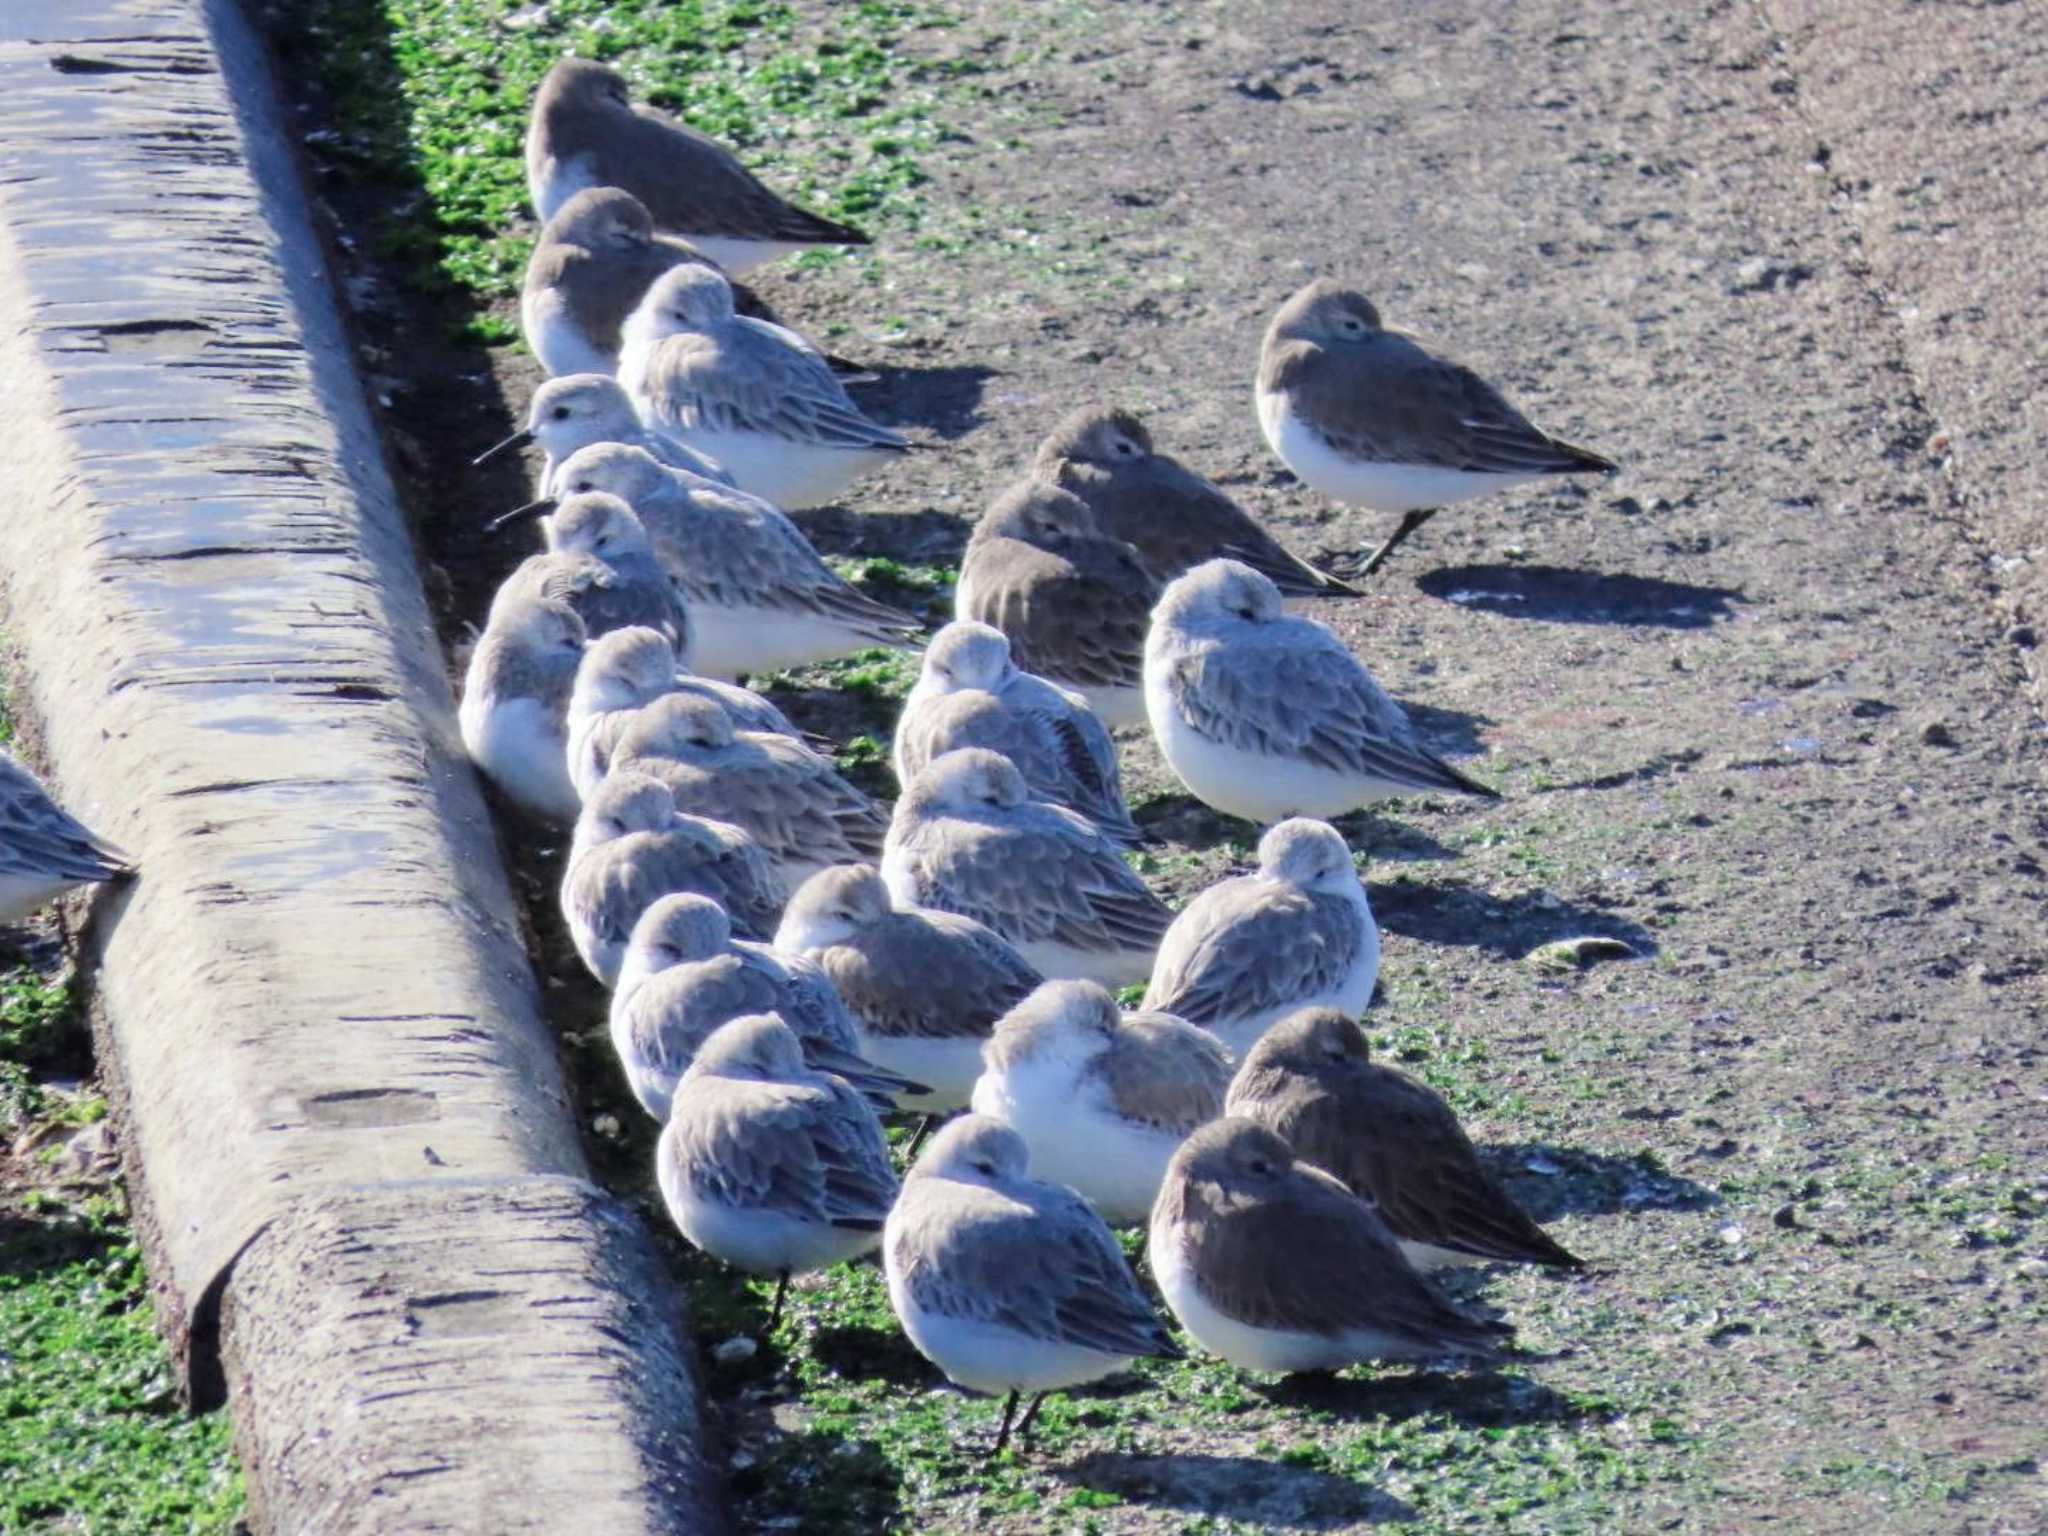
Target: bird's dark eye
1247,612
560,413
1260,1166
984,1166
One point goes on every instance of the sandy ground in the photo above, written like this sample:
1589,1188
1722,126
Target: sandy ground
1759,705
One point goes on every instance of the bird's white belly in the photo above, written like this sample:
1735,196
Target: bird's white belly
731,642
737,256
762,1242
948,1067
1116,1166
1362,482
1115,707
21,894
1253,785
1112,968
557,340
991,1358
523,748
781,470
1242,1344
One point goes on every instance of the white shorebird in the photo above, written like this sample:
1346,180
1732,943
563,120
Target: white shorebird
44,849
634,590
631,848
586,132
924,988
515,705
626,670
970,694
1265,715
761,597
1173,517
789,799
763,404
770,1166
547,577
684,974
581,410
1296,933
1276,1266
1071,601
1365,415
967,837
1102,1098
1311,1080
1007,1284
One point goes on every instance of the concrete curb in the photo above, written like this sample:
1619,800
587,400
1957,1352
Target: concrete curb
350,1146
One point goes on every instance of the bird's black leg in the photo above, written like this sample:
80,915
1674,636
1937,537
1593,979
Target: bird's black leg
1030,1413
924,1129
1003,1434
1410,521
781,1290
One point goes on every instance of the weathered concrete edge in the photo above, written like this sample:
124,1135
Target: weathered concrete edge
627,1418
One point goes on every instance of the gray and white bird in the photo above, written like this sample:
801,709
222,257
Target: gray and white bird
767,407
1276,1266
789,799
1296,933
769,1165
580,410
967,837
44,849
586,132
515,705
1265,715
632,847
684,974
1006,1283
761,598
626,670
1367,416
1072,602
1101,1097
970,694
924,988
1174,518
1311,1080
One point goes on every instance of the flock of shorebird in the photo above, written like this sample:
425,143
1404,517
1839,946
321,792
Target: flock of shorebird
788,959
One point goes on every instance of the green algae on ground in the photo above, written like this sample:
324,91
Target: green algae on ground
838,109
92,1437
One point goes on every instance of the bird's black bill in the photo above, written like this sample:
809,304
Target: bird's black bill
505,520
518,439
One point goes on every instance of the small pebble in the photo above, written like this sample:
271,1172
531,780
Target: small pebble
739,1347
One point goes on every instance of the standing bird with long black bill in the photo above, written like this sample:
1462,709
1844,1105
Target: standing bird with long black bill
1007,1284
1311,1080
580,410
1174,517
587,132
44,849
1366,415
